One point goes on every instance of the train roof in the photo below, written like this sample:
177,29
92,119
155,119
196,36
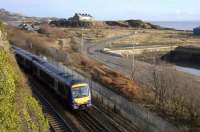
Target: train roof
48,67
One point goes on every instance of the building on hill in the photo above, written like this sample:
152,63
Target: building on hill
82,17
196,31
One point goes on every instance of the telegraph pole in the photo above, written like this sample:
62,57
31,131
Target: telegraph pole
133,58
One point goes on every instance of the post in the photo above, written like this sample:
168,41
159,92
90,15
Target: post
82,41
133,58
31,45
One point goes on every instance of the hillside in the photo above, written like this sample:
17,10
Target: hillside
105,24
10,17
132,24
19,111
7,16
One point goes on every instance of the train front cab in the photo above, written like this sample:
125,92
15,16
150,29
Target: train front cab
81,96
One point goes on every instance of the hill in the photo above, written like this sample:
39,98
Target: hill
16,18
7,16
132,24
105,24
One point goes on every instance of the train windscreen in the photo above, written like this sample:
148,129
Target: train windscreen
81,91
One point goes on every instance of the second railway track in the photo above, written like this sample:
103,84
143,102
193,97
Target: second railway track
90,123
93,120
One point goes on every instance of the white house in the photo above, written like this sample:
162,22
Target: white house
82,17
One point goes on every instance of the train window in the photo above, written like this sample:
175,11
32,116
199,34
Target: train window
34,68
47,78
19,58
61,88
27,63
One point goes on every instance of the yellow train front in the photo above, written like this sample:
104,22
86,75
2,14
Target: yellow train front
81,96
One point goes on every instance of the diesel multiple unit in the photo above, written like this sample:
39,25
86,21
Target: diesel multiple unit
74,92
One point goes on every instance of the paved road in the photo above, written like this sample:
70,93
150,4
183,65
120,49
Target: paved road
143,71
119,64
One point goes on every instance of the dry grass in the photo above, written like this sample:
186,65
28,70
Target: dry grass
173,96
160,37
110,79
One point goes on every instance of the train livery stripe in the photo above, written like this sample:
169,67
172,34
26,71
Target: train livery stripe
79,85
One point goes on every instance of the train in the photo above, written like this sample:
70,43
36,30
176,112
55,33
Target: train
75,93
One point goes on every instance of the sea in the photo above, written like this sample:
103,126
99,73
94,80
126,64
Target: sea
178,25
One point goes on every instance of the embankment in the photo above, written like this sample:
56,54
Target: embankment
19,111
184,55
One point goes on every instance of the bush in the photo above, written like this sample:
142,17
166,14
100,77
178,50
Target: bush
36,122
196,31
178,99
18,110
113,80
2,31
8,117
44,30
136,23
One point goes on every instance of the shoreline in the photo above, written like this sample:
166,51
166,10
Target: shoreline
177,25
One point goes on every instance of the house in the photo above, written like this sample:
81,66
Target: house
82,17
196,31
28,27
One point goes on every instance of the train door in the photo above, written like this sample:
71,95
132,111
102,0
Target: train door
61,89
55,85
38,72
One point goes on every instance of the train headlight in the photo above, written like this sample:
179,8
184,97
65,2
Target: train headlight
89,101
75,103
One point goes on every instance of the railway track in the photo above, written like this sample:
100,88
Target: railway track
90,123
94,119
105,121
57,123
119,121
89,120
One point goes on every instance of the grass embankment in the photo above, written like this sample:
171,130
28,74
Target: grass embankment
19,111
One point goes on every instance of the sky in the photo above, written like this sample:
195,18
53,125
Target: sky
149,10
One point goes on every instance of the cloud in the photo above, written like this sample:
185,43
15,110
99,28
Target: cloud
180,12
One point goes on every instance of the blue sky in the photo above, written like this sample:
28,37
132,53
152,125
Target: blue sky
165,10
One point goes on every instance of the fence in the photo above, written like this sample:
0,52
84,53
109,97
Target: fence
147,121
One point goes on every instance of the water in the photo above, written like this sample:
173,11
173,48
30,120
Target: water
191,71
179,25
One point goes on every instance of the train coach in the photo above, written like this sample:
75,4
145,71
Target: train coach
74,92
